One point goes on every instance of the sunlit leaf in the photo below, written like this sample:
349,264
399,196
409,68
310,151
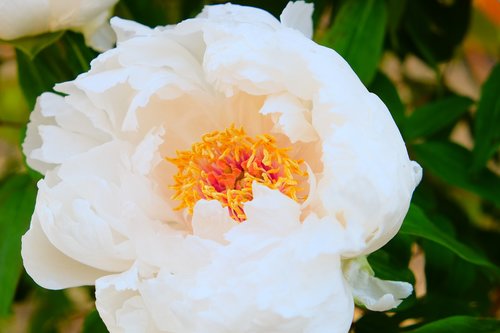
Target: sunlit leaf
487,121
357,34
417,224
17,199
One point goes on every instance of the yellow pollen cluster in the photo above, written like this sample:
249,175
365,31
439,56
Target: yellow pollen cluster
225,163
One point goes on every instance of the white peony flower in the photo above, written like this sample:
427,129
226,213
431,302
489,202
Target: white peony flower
213,176
21,18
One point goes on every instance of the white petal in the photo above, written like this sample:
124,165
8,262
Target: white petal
50,267
366,165
298,15
211,220
146,155
292,117
374,293
74,226
239,14
98,33
126,29
270,214
58,145
119,292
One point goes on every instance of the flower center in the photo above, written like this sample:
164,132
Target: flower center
223,166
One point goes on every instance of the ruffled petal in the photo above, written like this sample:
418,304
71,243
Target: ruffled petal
211,221
50,267
375,294
120,293
298,15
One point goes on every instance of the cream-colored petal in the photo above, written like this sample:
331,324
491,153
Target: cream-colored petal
23,18
33,17
375,294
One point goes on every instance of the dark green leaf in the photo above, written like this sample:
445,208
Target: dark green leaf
385,89
34,78
451,163
17,199
391,262
487,121
60,62
53,306
417,224
151,13
395,11
94,324
433,28
386,269
432,117
357,34
32,45
376,322
191,8
460,324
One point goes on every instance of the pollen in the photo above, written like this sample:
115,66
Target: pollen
224,164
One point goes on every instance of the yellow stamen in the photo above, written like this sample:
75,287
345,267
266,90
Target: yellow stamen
225,163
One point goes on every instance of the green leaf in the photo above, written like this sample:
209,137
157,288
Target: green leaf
357,34
191,8
150,13
59,62
32,45
385,89
395,11
34,77
460,324
94,324
52,308
386,268
373,321
17,200
451,163
418,224
432,117
487,121
433,28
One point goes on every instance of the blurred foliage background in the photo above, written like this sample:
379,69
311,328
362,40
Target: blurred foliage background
433,62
